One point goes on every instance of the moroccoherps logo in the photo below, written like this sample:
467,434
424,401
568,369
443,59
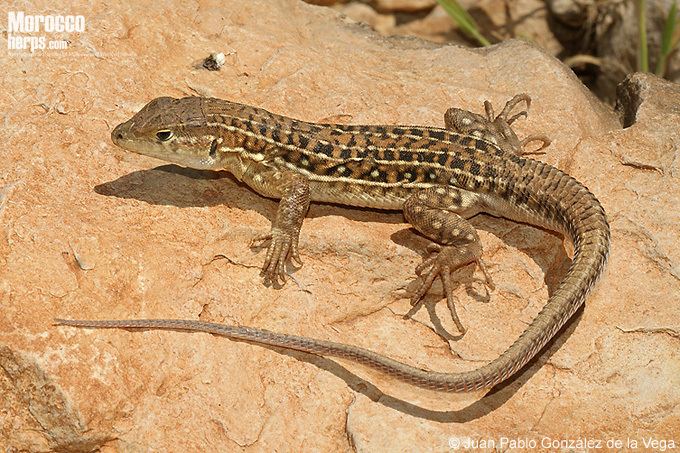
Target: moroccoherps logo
29,32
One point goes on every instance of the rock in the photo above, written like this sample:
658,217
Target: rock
360,12
436,26
89,231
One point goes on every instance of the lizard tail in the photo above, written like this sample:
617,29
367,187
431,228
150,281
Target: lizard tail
587,227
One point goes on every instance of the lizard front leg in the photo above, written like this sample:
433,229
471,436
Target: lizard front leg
438,213
293,191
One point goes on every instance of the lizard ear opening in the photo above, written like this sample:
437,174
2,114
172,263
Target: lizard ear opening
164,135
213,149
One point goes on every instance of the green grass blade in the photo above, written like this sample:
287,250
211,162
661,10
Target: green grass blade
667,42
464,20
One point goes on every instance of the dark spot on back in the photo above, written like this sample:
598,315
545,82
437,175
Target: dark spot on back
514,158
276,136
405,156
323,148
291,138
437,135
457,162
428,156
490,171
465,140
481,145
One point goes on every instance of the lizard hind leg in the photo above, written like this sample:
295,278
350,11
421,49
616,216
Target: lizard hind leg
496,129
436,213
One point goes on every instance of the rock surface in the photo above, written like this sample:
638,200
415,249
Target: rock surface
90,231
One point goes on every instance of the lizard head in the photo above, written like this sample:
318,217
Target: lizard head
172,130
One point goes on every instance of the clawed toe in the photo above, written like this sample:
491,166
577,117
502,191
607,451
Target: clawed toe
282,248
510,105
426,284
545,142
259,241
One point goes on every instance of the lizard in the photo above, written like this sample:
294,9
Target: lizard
438,177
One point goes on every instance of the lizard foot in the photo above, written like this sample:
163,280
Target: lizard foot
496,129
283,247
442,262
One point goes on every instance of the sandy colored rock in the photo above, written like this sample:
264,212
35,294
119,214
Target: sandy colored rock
436,26
91,231
361,12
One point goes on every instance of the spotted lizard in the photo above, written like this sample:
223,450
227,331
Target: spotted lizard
438,177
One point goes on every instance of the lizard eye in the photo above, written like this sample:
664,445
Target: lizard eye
164,136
